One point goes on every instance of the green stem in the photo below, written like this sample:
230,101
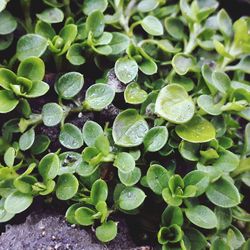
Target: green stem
131,29
67,8
26,10
58,62
12,61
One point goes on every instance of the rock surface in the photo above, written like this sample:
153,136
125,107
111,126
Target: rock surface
46,231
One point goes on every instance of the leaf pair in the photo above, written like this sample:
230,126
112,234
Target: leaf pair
26,83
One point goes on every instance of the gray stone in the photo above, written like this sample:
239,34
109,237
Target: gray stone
46,231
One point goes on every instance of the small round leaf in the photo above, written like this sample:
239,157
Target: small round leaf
52,114
51,15
174,104
27,139
126,69
155,139
223,193
71,136
67,186
124,162
99,96
129,128
152,26
69,85
17,202
197,130
32,68
131,198
201,216
31,45
107,231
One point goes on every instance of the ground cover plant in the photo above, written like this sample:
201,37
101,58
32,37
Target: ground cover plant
132,107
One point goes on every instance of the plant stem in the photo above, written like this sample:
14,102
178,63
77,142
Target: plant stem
26,10
67,8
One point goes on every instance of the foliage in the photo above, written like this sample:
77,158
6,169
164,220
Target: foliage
176,155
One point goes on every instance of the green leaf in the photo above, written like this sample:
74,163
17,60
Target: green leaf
201,216
31,45
129,128
189,151
107,231
40,144
70,213
148,66
197,130
32,68
45,30
199,179
157,178
7,101
24,183
3,4
99,192
51,15
84,216
131,198
90,6
225,23
102,144
223,193
7,23
224,217
66,187
39,88
49,166
183,63
69,85
27,139
172,215
124,162
95,23
152,26
235,238
68,34
119,43
207,104
175,28
219,244
9,156
4,215
134,94
131,178
155,139
99,96
6,41
75,54
85,169
91,130
221,81
227,162
52,114
220,49
147,5
17,202
241,36
196,238
7,77
71,136
174,104
171,234
126,69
